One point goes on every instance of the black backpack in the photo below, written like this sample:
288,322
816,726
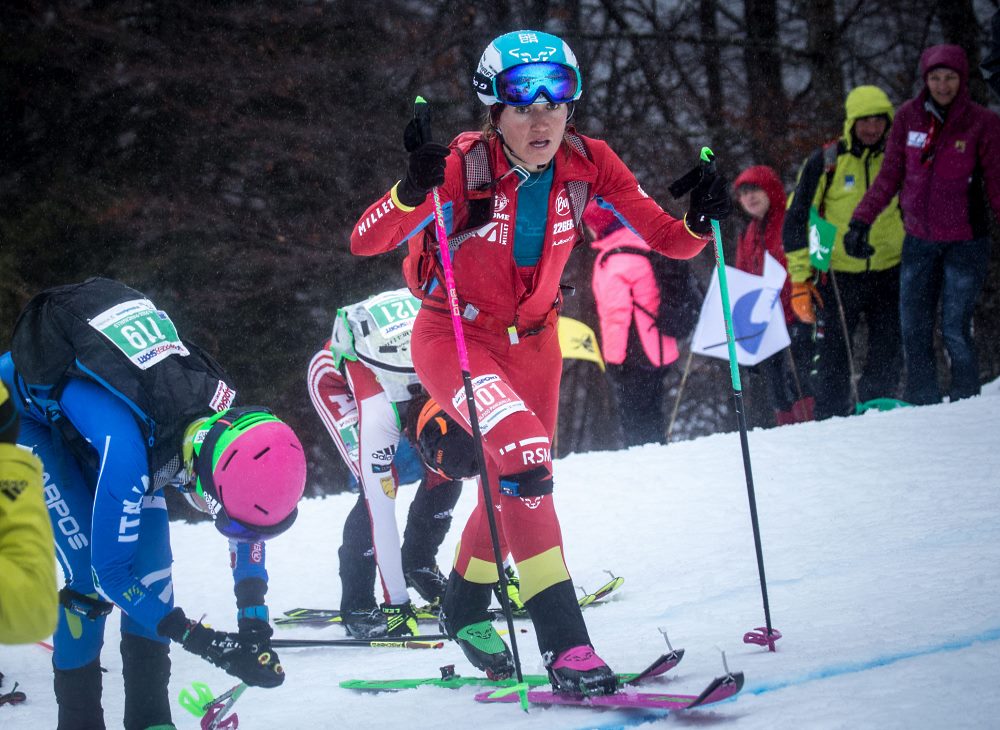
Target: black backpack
681,294
54,341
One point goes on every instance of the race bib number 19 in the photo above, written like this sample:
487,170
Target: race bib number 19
142,332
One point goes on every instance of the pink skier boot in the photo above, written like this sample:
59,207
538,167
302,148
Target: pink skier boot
578,670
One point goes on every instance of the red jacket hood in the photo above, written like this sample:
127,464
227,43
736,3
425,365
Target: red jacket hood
765,178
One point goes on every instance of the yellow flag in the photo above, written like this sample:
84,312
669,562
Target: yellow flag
578,342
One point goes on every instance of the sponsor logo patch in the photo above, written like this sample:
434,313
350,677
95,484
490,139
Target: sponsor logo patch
562,203
223,398
494,232
388,486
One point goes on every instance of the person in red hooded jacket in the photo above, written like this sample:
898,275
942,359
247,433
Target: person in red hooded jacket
636,352
761,195
942,156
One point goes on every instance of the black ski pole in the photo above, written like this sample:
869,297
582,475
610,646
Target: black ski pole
762,635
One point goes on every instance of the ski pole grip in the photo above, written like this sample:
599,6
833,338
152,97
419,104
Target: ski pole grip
422,116
707,158
686,182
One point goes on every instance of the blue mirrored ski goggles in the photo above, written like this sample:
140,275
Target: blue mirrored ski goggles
522,85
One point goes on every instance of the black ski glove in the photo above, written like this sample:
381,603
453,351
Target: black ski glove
856,240
709,200
249,658
426,168
255,631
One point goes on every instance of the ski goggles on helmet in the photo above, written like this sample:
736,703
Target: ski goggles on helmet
522,85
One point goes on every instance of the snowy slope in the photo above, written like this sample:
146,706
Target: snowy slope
881,539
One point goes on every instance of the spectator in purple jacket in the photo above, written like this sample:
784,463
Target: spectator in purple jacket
943,158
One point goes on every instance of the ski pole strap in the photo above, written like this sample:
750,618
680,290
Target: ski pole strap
83,605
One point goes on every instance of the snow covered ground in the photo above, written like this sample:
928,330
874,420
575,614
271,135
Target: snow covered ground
881,539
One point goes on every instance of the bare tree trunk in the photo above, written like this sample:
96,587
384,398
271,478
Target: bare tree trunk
823,52
766,101
717,131
960,26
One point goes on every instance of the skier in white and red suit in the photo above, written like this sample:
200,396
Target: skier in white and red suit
366,407
536,174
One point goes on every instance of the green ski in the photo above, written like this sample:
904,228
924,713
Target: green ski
450,680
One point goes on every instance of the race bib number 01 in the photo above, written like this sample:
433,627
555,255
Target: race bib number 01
495,400
142,332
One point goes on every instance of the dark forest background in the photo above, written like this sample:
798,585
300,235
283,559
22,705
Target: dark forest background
215,155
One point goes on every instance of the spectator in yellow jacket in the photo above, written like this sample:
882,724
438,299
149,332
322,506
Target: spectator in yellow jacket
28,603
832,181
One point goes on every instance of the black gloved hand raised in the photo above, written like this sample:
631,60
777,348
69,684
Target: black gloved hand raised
856,240
709,200
426,168
248,657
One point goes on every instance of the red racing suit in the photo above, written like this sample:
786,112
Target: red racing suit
516,383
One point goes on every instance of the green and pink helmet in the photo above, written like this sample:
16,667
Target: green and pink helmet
248,471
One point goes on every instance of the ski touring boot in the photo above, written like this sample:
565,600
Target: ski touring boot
483,646
365,623
579,671
428,582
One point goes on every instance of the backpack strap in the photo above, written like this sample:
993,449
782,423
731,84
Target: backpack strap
831,151
478,176
579,191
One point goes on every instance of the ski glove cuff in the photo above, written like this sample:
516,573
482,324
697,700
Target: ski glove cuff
250,658
856,240
709,201
425,170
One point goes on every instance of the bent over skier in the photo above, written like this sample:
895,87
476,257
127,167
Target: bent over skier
362,385
512,196
117,406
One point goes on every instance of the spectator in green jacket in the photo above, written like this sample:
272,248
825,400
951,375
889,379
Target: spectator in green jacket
832,181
